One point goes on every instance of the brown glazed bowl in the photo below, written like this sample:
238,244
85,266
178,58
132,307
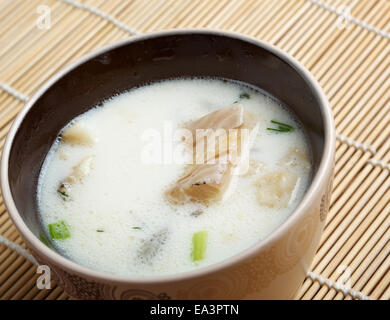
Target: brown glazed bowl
273,268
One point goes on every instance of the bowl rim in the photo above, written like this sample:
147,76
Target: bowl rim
316,186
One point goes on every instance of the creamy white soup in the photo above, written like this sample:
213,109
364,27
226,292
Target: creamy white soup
123,192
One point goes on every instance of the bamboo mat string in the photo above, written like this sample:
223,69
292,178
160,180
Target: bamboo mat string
341,13
379,163
18,249
337,286
356,144
130,30
102,15
13,92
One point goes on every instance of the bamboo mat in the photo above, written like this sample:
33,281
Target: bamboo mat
344,43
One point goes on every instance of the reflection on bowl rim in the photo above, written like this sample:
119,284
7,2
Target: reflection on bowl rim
315,186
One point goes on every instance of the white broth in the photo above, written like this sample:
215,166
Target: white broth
96,183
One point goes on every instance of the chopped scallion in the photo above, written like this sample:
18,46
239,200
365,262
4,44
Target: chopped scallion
245,95
281,127
59,231
282,124
62,193
136,228
199,244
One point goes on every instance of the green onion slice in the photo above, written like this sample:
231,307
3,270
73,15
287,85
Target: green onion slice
62,193
245,95
199,244
281,127
59,231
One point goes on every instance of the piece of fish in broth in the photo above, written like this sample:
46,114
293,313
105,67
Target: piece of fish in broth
214,177
276,189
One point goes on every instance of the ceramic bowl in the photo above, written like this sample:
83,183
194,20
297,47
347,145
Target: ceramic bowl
273,268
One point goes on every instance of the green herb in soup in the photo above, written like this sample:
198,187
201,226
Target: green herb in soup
199,245
245,96
281,127
63,194
59,231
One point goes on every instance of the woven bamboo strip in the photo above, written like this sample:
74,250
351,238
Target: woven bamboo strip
8,257
305,33
378,232
146,15
372,106
343,155
71,47
379,274
332,224
301,28
31,291
20,280
63,296
12,71
350,235
351,95
261,32
313,43
6,7
57,37
34,291
343,80
32,37
43,294
251,17
339,41
290,19
321,53
364,170
8,20
28,16
260,17
12,276
337,228
342,66
232,15
350,204
267,18
382,289
315,287
368,267
54,293
375,133
25,284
